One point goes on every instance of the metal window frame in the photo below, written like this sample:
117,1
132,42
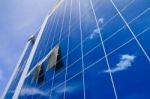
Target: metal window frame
15,70
27,66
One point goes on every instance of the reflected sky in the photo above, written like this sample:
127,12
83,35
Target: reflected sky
18,20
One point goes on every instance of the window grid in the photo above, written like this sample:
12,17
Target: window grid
133,34
112,35
108,38
106,23
67,49
52,40
104,49
103,41
128,42
41,50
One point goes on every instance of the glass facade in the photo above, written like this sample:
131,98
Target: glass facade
105,52
18,74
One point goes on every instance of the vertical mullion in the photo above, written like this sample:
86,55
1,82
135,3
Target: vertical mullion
68,47
133,34
27,66
41,51
15,70
82,49
50,32
51,48
103,46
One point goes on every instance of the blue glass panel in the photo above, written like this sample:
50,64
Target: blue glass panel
120,38
74,69
130,70
59,79
93,56
58,93
74,88
97,83
136,7
74,56
141,23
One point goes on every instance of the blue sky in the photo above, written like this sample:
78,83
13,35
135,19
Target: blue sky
18,20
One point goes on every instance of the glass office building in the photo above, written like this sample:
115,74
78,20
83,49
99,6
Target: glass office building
87,49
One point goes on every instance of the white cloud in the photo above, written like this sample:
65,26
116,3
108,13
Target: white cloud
124,63
100,20
69,89
32,91
95,31
25,20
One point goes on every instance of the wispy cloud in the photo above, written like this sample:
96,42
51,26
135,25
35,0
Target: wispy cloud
32,91
95,31
124,63
23,19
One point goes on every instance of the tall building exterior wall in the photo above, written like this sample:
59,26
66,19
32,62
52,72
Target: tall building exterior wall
103,53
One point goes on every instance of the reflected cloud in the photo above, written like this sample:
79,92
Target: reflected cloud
125,62
32,91
68,89
95,31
